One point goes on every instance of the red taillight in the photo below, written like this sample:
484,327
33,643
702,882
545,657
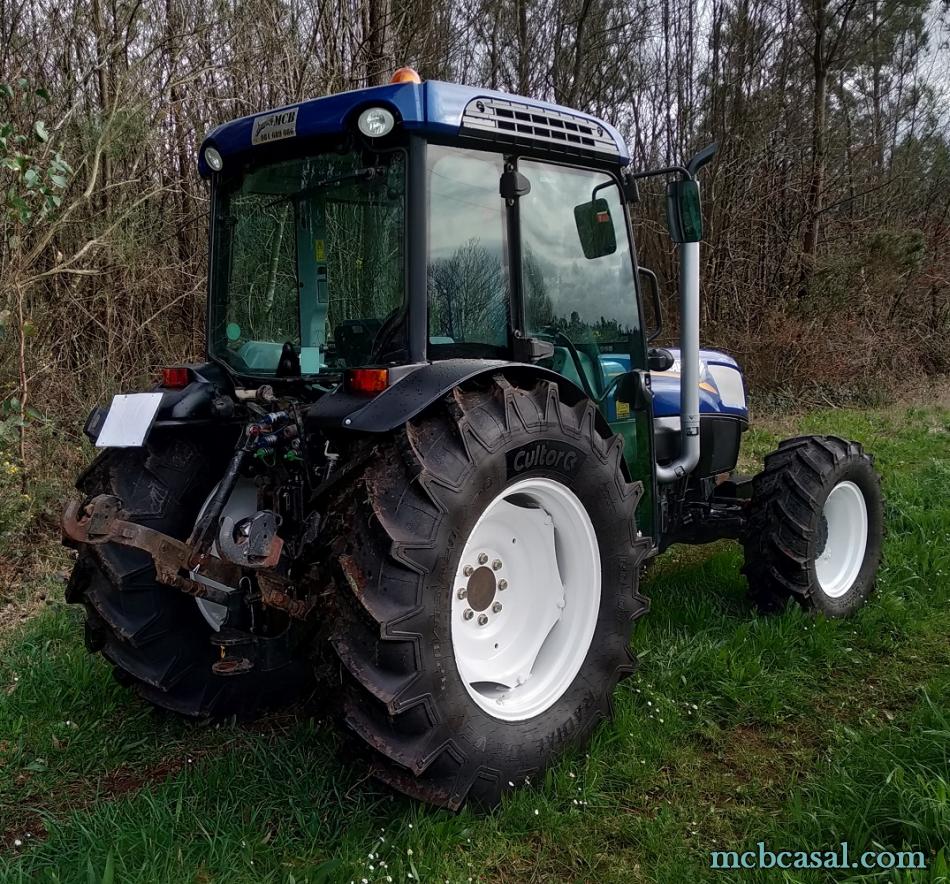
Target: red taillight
367,380
175,377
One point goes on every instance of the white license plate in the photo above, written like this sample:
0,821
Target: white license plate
129,420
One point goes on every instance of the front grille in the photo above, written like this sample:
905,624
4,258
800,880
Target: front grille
502,120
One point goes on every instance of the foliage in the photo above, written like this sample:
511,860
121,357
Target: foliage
117,286
32,175
14,501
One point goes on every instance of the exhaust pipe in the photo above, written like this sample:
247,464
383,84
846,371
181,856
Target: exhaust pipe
684,215
685,462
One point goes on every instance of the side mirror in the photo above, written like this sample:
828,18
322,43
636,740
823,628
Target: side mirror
654,286
684,213
659,359
683,210
595,228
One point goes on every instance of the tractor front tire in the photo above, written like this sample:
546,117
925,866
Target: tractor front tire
486,565
155,636
815,527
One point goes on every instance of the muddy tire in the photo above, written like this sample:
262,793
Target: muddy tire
406,592
815,528
155,636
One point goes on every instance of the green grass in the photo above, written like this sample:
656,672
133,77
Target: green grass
795,731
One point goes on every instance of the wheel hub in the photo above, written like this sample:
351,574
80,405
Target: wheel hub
481,587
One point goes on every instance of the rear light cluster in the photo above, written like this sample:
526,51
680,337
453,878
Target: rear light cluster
367,381
175,377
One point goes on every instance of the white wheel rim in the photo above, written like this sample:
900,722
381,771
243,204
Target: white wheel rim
525,600
845,514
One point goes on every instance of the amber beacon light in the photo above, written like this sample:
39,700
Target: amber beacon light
406,75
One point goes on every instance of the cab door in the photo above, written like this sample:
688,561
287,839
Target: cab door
578,291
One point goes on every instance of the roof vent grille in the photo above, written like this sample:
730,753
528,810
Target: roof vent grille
502,120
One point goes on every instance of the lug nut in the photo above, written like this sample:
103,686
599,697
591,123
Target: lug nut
496,564
482,619
496,608
462,593
482,558
467,614
502,584
467,570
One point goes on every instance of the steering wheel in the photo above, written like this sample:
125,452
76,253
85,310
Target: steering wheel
391,323
561,338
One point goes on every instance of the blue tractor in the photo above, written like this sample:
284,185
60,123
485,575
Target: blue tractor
431,449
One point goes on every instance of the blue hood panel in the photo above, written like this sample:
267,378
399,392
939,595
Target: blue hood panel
721,387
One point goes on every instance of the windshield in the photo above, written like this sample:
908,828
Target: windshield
309,265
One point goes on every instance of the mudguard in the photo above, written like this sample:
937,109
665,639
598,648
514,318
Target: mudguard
192,405
416,390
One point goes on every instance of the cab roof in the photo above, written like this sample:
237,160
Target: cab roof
431,108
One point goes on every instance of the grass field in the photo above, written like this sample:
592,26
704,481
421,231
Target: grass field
737,729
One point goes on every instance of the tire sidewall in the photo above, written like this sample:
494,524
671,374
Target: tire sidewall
592,476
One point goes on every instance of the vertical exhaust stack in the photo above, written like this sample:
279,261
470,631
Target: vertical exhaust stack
686,229
688,456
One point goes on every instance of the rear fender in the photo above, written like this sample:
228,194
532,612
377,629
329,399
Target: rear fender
190,406
418,389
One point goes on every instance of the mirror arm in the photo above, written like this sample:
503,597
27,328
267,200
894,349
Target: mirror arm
655,295
701,158
689,171
682,171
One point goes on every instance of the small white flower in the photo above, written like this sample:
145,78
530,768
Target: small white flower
536,812
17,843
409,851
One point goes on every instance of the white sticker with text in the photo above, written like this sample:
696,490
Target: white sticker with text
275,126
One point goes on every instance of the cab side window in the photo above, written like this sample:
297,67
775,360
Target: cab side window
585,305
467,262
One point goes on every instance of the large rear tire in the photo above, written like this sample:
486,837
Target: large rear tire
815,527
470,662
155,636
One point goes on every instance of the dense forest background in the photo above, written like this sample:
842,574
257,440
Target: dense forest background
827,264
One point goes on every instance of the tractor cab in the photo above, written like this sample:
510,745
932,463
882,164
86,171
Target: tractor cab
426,222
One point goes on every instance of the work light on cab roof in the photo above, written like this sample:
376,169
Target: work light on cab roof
432,446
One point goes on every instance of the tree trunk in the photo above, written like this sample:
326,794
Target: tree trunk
819,112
